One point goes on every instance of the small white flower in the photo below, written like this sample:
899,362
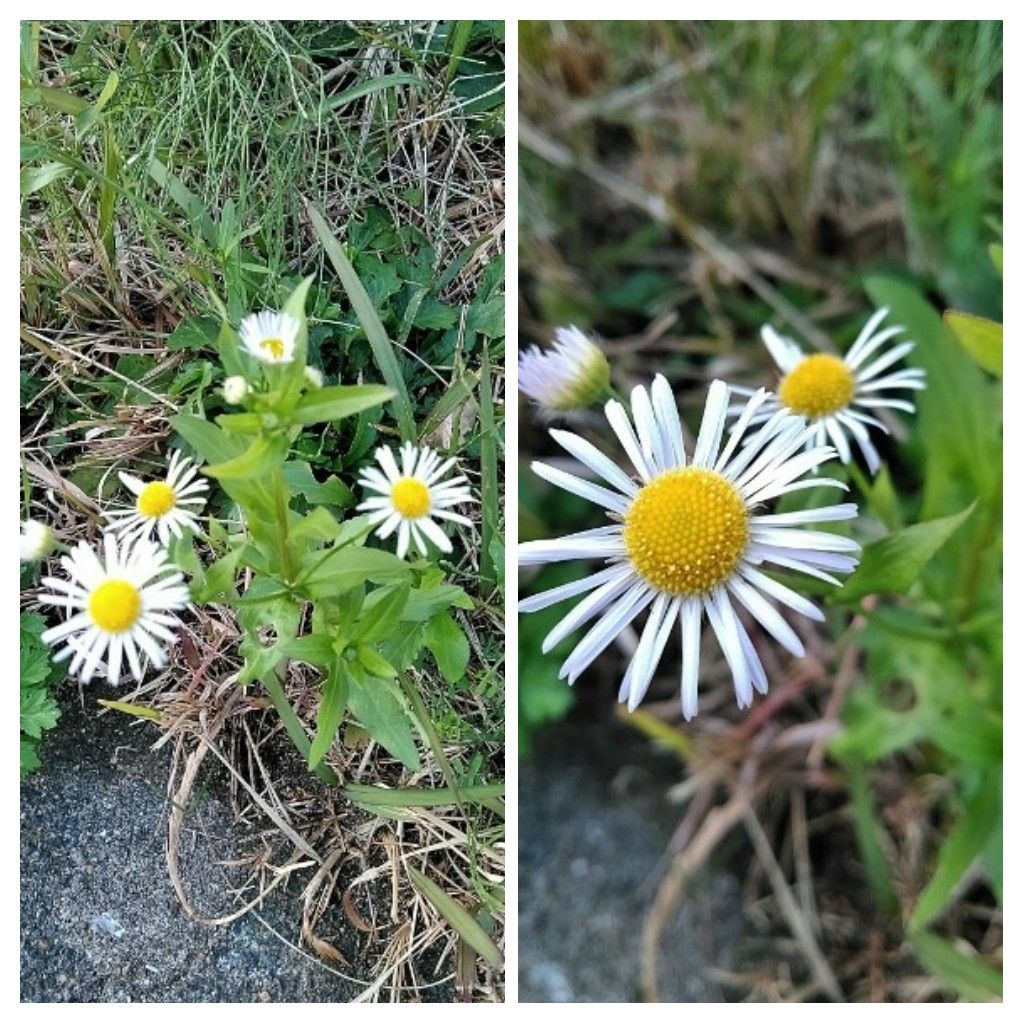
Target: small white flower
686,541
37,540
572,374
235,390
269,336
411,498
838,396
161,504
118,606
314,378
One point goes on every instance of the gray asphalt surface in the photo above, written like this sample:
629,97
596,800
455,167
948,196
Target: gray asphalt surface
593,827
99,919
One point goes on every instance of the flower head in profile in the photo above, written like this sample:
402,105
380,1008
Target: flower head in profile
269,336
840,396
572,374
165,506
118,607
37,541
689,539
409,499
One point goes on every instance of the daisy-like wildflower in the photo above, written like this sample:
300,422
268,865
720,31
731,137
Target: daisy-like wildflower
37,540
573,373
163,505
689,539
839,395
118,607
410,498
269,336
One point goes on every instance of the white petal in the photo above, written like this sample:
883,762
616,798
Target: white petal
574,485
705,451
595,460
689,620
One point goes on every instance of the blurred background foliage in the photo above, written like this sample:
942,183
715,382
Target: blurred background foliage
681,184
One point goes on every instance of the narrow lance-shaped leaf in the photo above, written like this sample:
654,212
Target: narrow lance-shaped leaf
458,917
892,564
335,403
380,344
331,711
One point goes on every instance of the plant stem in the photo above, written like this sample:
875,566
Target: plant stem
293,726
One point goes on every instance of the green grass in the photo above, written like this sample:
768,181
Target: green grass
178,173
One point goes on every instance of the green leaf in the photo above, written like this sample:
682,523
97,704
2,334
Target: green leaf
300,479
191,205
467,926
892,564
337,402
313,649
331,711
378,709
380,344
382,610
374,663
962,847
295,306
319,525
372,85
194,333
412,796
208,440
449,646
490,495
35,178
868,830
983,339
970,976
347,567
263,455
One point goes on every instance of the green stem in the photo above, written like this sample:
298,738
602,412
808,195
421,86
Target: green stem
293,726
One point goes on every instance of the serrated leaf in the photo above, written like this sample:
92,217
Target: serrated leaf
892,564
299,478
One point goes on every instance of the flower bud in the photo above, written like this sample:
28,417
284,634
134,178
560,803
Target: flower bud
314,378
37,541
235,389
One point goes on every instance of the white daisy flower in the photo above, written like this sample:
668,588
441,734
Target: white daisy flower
687,540
838,396
37,540
411,498
573,373
269,336
161,504
118,606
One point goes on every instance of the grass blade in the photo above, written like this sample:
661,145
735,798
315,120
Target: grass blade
412,796
970,976
469,929
372,85
380,343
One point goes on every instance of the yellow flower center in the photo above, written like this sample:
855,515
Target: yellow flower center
156,499
817,386
686,530
274,346
410,497
115,605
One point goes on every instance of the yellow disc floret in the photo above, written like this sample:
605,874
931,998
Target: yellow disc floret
273,347
410,497
817,386
155,500
686,530
115,606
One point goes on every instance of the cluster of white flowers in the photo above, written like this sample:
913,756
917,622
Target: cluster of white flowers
119,602
689,538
